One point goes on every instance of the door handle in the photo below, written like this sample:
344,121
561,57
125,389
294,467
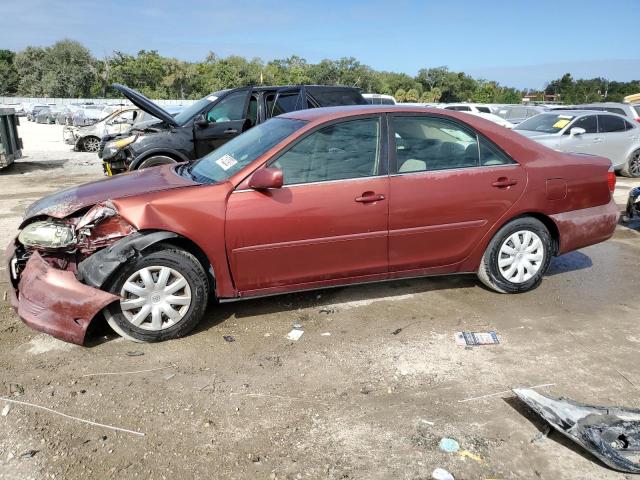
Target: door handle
597,140
229,131
504,182
368,197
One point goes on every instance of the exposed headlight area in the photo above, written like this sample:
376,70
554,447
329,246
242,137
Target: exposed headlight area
112,147
48,234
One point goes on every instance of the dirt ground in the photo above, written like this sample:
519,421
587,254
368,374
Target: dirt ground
367,392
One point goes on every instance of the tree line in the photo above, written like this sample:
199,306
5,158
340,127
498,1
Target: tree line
68,69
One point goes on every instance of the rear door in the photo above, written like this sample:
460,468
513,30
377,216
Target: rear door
227,118
329,220
450,186
613,138
283,101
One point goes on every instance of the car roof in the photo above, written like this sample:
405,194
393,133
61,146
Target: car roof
583,111
261,88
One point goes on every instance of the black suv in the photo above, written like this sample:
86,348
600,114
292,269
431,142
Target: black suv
210,122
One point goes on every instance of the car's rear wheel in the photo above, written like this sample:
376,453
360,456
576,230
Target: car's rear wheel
163,295
91,144
632,167
155,161
517,257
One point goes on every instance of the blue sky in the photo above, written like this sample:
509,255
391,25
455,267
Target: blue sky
518,43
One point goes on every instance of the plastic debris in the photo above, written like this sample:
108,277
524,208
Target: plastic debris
396,331
612,434
134,353
295,334
29,454
441,474
472,456
6,410
325,334
229,338
473,339
449,445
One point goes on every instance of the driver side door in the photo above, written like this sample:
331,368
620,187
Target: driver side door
225,119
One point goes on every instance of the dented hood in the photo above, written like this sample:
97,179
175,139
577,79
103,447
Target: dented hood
66,202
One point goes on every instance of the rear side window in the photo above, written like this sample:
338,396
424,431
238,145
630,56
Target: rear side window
637,109
589,123
484,109
619,111
426,144
490,155
628,125
332,97
609,123
286,102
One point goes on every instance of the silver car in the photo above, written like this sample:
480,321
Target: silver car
597,133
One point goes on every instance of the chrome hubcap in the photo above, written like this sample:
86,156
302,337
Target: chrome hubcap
91,145
155,298
520,256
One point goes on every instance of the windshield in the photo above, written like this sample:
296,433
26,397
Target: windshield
545,123
236,154
188,113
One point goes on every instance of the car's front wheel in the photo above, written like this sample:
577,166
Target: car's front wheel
517,256
163,295
155,161
91,144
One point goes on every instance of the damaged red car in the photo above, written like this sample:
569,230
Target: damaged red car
311,199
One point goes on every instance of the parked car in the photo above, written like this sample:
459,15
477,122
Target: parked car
35,109
310,199
469,107
519,113
212,121
605,134
626,109
87,138
88,115
479,110
43,115
379,99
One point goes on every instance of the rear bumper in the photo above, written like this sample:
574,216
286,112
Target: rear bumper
588,226
54,301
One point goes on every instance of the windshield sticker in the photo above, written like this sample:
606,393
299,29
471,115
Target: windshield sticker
226,162
212,98
561,123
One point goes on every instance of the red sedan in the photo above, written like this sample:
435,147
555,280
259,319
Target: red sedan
310,199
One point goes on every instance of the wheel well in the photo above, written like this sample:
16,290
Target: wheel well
156,154
186,244
550,224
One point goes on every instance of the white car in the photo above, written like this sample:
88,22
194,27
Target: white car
379,99
493,118
479,110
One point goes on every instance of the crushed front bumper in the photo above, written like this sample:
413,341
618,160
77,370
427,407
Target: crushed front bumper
54,301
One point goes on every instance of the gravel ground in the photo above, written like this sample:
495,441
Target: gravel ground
366,393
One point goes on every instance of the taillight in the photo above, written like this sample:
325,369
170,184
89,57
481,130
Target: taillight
638,119
611,179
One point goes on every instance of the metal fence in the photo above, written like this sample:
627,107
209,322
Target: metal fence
97,101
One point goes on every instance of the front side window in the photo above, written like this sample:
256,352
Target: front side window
239,152
228,109
345,150
609,123
426,144
589,123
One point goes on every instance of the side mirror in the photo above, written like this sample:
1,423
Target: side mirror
577,131
201,121
266,178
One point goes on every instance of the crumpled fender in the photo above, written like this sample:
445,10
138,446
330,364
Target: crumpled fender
96,269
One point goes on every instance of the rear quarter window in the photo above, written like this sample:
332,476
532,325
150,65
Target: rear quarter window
619,111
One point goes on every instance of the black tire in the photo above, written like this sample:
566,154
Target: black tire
632,167
489,272
161,256
155,161
90,144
